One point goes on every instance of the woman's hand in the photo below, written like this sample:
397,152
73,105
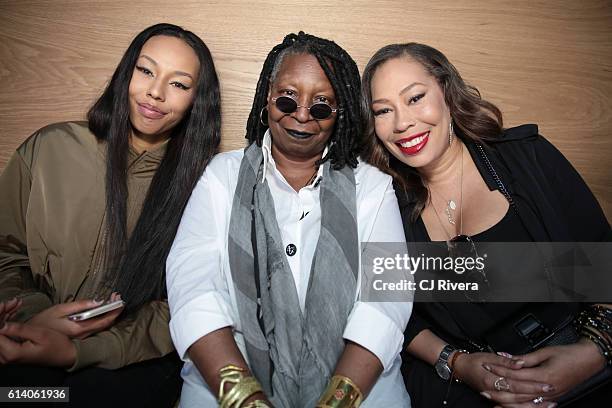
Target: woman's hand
563,367
475,370
55,318
8,310
23,343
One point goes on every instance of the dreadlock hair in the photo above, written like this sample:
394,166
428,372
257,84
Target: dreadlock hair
135,266
342,72
474,118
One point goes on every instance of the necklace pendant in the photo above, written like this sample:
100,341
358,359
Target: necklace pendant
449,215
452,205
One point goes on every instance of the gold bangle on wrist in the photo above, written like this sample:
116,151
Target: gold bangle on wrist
257,404
242,387
341,392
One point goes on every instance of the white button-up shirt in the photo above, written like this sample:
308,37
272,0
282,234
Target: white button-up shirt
200,288
298,215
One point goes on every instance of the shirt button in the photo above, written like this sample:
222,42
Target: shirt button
291,249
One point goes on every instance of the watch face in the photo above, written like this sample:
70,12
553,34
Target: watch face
443,370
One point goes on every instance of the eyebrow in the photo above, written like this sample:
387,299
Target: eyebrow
155,63
403,91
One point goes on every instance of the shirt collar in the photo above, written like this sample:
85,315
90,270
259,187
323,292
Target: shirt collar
148,160
270,164
266,147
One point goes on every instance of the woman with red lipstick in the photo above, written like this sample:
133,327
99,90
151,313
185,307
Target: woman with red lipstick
265,265
461,177
88,212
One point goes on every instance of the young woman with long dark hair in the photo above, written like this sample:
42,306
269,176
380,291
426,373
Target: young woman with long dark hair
88,213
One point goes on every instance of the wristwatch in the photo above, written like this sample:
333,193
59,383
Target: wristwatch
441,366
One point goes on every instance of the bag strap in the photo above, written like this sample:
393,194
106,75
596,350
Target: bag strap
493,173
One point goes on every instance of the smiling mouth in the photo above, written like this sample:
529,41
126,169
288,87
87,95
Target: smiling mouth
150,112
413,144
299,135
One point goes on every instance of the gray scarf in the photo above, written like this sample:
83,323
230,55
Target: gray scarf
292,354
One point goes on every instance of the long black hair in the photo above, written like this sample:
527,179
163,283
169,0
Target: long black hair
135,266
342,72
474,118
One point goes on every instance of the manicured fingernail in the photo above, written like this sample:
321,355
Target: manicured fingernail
98,301
504,354
486,395
486,367
519,362
553,405
547,388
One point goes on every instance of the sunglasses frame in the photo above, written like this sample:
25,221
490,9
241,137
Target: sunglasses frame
298,106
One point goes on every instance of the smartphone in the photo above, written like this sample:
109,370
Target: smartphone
96,311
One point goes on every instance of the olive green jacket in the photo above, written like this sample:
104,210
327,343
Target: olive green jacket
52,206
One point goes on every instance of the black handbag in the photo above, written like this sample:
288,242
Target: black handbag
540,325
534,326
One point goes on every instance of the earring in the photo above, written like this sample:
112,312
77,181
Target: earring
450,132
261,116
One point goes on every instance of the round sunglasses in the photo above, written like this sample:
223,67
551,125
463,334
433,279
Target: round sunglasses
318,110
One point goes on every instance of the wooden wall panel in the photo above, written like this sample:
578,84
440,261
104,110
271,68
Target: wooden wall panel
545,62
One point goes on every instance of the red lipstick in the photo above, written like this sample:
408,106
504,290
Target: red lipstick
415,143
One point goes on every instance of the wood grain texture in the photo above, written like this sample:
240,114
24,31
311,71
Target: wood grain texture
544,62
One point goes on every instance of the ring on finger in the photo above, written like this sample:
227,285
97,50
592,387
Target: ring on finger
538,400
501,384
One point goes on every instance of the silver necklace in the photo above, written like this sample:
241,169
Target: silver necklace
313,177
451,205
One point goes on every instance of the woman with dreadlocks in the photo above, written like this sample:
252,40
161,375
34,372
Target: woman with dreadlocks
263,276
67,237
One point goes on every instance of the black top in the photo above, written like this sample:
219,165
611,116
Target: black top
508,229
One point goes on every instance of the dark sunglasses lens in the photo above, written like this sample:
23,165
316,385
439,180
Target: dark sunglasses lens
320,111
461,238
461,246
285,104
